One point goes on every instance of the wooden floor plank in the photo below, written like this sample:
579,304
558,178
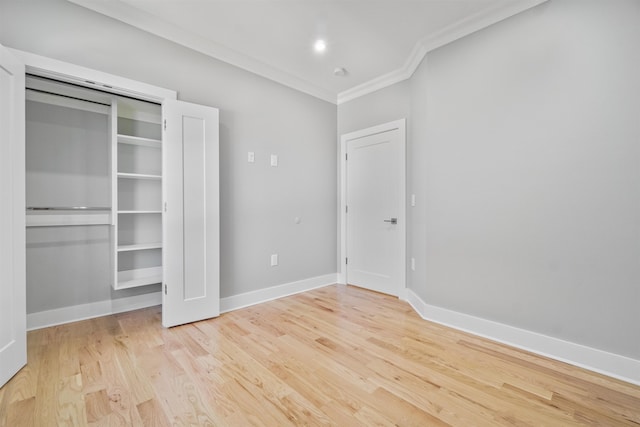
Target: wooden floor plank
334,356
21,412
46,401
97,405
71,404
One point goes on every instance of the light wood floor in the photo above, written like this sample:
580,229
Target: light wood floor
338,356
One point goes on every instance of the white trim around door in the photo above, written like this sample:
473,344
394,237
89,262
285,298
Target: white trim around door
399,125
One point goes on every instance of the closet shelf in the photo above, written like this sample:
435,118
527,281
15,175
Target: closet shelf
140,212
139,277
139,247
136,140
138,176
61,220
67,208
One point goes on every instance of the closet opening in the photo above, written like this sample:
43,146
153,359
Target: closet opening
93,198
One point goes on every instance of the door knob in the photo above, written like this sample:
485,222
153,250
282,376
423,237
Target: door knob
392,220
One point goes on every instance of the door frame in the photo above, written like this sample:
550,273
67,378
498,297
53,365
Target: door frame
93,79
90,78
400,125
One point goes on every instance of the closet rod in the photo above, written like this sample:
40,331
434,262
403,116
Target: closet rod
75,98
86,224
67,208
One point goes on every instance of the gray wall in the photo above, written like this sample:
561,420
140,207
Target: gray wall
258,202
526,163
382,106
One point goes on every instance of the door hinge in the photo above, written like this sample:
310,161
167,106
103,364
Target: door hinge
346,260
165,124
346,156
165,206
346,209
165,289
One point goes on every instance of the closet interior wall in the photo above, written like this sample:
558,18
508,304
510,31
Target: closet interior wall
71,246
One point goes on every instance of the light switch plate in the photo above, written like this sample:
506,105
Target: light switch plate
274,260
274,160
251,157
413,200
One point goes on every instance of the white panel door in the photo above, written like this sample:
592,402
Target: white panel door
13,306
375,210
191,230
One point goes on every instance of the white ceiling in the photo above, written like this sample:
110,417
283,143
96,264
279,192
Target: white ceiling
378,42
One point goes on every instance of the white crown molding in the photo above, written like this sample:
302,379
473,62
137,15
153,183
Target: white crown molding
151,24
447,35
610,364
146,22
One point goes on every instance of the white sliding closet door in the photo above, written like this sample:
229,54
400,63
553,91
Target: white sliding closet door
13,308
191,231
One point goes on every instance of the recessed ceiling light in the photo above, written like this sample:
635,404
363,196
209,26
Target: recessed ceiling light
320,46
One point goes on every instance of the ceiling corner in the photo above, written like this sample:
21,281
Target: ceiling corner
449,34
150,23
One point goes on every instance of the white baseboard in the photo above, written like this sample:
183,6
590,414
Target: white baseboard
610,364
74,313
235,302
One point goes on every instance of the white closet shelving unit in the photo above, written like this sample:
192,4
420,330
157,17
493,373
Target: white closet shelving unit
137,192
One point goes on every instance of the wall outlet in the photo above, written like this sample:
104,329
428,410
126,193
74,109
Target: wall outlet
251,157
274,260
413,264
274,160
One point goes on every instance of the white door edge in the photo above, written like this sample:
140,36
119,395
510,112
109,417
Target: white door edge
13,309
400,125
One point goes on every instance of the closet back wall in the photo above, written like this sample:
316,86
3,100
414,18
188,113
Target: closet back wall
66,165
258,202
